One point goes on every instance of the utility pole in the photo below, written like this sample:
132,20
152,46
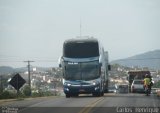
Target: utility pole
1,85
29,76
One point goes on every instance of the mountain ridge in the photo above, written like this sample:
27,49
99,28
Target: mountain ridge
150,59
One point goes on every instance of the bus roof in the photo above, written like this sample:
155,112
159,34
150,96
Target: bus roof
83,39
81,48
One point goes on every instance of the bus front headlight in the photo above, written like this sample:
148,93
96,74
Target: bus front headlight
94,83
68,84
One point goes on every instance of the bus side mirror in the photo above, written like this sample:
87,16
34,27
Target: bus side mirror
109,67
60,61
100,64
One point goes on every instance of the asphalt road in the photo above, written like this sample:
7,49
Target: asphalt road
109,103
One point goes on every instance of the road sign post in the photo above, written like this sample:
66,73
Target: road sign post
17,82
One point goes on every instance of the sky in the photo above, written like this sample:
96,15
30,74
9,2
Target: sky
36,29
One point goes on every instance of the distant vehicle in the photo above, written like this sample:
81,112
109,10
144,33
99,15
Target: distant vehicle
85,67
137,86
122,88
136,75
112,89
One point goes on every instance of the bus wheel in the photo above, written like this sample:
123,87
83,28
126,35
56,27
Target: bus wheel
96,94
75,95
102,93
67,95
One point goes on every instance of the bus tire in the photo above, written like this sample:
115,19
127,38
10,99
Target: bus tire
75,95
68,96
102,93
98,94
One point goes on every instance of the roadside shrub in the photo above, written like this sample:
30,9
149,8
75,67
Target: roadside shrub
26,91
35,94
8,95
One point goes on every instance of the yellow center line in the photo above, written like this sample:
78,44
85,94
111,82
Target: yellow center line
88,107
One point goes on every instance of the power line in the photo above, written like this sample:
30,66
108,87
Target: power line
55,61
11,56
9,61
34,60
46,60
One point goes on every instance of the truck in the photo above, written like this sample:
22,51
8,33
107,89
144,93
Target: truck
85,67
136,75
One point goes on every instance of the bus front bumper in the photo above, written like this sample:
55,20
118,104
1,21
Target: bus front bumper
82,89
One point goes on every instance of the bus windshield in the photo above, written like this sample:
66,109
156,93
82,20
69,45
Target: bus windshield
81,49
82,71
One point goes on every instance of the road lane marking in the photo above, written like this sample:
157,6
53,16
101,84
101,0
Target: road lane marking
88,107
93,105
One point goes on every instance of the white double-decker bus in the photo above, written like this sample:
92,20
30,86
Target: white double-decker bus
85,67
